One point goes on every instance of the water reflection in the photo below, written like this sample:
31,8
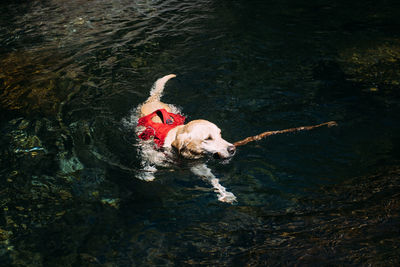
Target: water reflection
71,73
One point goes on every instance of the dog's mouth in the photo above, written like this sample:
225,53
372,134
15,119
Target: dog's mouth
230,152
221,159
216,156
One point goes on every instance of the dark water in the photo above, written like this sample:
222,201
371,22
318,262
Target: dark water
71,72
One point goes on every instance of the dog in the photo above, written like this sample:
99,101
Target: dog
163,134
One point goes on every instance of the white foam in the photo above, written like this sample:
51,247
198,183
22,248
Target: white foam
150,156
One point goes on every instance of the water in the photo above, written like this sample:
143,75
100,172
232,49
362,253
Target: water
71,74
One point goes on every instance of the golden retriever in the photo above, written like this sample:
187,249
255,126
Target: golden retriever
193,140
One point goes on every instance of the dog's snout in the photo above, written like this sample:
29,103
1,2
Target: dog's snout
231,150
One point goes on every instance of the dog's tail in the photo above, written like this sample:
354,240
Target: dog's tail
158,88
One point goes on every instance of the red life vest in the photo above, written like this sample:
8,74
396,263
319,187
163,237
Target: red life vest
157,129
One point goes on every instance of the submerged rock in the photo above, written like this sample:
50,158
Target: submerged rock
376,66
69,165
4,235
29,83
111,202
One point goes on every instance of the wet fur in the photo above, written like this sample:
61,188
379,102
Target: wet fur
194,140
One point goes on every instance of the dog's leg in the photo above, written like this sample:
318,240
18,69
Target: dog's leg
147,172
203,171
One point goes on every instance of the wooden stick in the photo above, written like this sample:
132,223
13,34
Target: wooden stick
265,134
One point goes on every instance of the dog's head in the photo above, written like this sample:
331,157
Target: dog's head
201,137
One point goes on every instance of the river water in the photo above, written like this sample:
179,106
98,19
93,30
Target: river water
72,73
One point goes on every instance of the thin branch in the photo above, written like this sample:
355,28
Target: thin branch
265,134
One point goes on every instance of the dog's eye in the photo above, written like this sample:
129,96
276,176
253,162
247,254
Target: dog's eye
209,138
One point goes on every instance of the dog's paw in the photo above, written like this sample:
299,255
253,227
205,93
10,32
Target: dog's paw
147,173
146,177
227,197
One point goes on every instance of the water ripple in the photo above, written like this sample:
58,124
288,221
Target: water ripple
71,72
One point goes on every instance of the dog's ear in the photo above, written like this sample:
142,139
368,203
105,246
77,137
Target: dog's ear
192,149
186,146
180,140
177,144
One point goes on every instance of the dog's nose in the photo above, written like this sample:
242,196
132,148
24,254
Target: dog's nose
231,150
